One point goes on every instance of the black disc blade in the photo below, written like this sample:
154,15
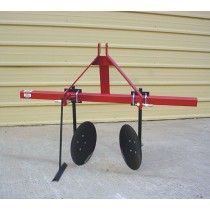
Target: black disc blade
130,146
83,143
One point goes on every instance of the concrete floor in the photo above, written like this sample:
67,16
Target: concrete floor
176,163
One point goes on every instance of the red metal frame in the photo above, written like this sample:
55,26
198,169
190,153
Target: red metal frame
105,96
111,98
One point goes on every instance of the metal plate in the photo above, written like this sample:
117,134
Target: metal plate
130,147
83,143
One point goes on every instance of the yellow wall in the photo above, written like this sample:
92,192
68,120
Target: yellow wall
166,53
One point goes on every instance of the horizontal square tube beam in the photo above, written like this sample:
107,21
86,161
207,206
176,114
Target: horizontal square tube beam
172,100
111,98
41,94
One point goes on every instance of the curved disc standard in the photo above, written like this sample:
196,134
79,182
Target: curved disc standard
130,146
83,143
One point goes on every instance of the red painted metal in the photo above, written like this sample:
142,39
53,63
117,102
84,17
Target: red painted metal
112,98
104,62
41,94
73,84
125,77
104,79
172,101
